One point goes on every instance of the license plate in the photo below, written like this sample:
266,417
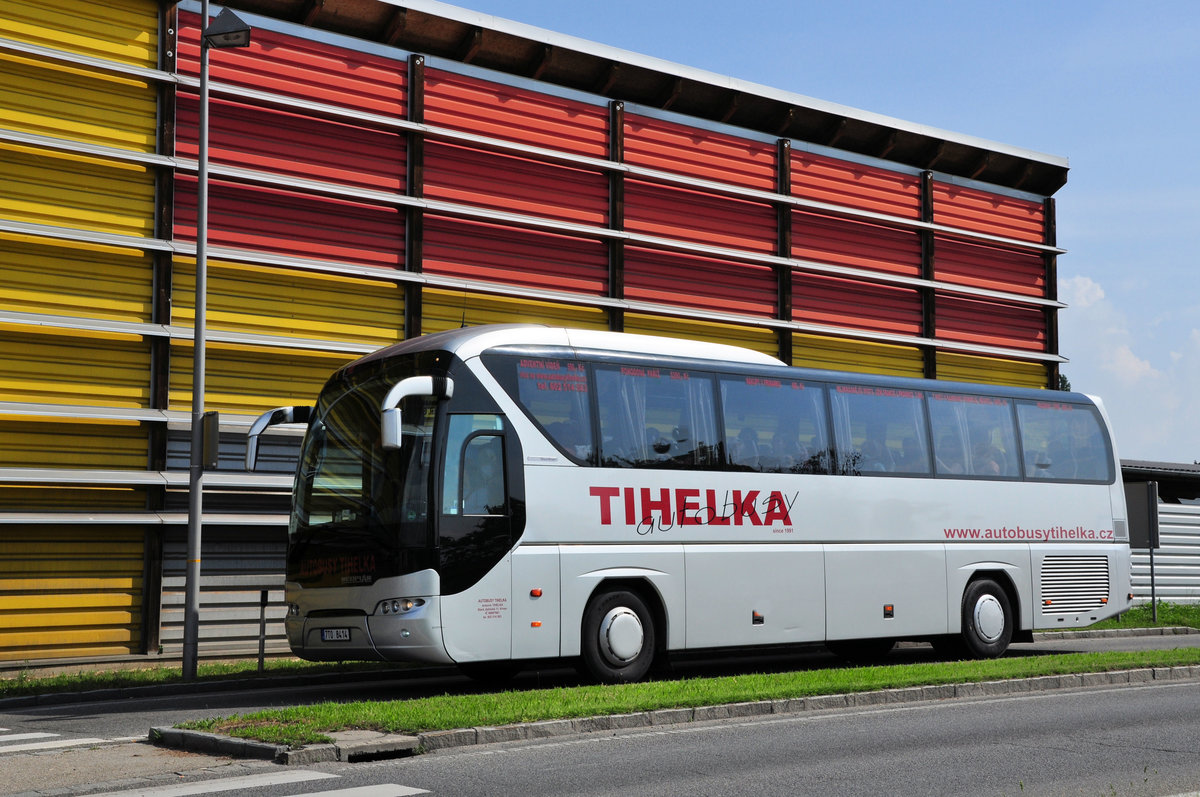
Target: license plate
335,634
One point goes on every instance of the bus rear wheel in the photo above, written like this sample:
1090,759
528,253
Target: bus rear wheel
618,637
987,619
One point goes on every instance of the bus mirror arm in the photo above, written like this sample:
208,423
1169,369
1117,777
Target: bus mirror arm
391,425
272,418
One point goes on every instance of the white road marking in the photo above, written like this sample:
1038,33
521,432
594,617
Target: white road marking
380,790
221,784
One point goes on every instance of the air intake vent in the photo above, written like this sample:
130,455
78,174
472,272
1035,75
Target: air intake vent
1072,584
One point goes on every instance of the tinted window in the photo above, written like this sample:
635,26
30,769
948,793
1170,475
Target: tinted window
775,425
973,436
1063,442
880,430
554,392
655,418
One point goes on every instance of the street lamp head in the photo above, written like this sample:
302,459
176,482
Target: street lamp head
227,30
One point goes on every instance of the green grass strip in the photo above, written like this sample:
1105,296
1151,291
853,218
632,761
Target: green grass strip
311,724
22,683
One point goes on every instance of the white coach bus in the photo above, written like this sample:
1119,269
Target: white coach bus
496,495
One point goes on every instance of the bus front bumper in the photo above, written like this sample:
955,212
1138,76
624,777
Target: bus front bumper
357,637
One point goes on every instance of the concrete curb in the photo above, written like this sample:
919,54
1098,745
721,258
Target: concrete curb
369,745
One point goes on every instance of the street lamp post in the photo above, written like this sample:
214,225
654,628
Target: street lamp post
227,30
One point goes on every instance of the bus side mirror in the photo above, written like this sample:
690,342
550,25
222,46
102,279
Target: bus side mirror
391,424
272,418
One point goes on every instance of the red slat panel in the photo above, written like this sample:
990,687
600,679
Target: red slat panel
992,267
514,256
685,280
514,114
520,185
304,68
271,220
984,211
855,185
699,217
857,305
990,323
678,148
844,242
282,142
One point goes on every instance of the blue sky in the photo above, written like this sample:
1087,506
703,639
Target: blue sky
1110,85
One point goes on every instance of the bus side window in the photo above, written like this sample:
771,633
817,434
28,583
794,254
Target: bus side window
554,392
653,417
880,430
973,436
1063,442
774,425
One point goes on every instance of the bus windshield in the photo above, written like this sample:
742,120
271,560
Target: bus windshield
361,512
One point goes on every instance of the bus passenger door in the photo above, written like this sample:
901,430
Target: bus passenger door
474,538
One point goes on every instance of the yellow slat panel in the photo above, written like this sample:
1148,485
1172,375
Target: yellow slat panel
63,190
838,354
52,443
69,601
71,367
96,566
39,498
275,301
759,339
69,590
990,370
99,552
88,282
73,584
70,618
125,31
49,652
51,99
63,637
245,379
442,310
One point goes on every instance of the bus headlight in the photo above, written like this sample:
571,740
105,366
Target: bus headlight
293,610
399,605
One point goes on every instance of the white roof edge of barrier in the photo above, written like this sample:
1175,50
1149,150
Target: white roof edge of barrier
549,37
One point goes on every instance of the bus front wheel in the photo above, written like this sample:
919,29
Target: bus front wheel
618,637
987,619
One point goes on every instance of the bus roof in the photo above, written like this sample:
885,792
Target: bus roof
471,341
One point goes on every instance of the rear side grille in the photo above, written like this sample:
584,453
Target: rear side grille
1073,584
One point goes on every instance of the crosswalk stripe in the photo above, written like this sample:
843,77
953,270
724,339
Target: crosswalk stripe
57,743
25,736
222,784
380,790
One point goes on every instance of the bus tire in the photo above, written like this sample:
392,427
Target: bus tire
618,637
987,619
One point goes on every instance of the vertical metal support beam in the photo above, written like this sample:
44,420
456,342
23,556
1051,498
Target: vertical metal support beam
414,226
191,613
783,244
160,313
1050,260
616,213
928,296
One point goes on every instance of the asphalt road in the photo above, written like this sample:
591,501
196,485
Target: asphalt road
1128,740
